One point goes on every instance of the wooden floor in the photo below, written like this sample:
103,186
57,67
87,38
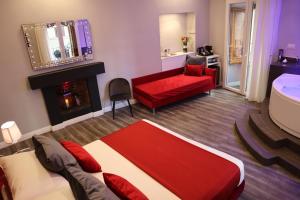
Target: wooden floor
206,119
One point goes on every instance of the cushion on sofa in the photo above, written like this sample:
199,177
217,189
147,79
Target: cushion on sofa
195,60
174,86
194,70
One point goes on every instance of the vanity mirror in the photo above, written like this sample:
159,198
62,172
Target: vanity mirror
58,43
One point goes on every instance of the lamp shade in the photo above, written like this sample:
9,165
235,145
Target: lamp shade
10,132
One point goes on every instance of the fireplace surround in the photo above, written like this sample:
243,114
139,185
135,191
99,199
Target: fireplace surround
69,93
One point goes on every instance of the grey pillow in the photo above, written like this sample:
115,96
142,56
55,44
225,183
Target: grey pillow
85,186
51,154
195,60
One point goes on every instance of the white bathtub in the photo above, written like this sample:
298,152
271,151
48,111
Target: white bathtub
284,108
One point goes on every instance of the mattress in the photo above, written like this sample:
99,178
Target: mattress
173,86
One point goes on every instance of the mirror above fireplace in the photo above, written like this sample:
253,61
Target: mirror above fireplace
58,43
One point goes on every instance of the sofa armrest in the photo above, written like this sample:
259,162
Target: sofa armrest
213,73
156,76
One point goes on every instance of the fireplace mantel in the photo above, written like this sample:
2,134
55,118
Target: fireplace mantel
50,82
54,78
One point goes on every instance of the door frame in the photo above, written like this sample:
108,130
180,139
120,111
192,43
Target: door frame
246,45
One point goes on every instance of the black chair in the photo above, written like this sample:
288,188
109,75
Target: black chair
119,89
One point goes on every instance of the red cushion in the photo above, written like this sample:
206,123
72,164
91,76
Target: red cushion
85,160
194,70
122,188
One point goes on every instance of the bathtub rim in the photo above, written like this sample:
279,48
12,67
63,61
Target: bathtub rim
276,86
277,93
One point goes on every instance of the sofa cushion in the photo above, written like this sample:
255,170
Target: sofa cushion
194,70
195,60
173,86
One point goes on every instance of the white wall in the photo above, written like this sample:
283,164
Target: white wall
125,37
217,29
217,25
191,31
172,27
289,28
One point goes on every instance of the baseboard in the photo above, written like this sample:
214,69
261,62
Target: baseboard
46,129
98,113
72,121
119,104
28,135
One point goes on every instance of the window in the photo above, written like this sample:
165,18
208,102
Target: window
237,18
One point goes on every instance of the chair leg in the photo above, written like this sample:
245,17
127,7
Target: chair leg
113,109
209,92
153,111
130,108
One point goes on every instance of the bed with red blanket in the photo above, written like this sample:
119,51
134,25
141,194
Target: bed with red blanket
188,169
162,164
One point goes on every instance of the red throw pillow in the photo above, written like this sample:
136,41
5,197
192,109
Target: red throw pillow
194,70
85,160
122,188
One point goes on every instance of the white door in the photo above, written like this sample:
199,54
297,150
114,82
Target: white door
238,32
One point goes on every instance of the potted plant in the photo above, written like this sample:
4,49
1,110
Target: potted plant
184,40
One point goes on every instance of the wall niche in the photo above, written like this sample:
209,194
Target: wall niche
172,28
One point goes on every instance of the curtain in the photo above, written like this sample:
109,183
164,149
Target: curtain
264,44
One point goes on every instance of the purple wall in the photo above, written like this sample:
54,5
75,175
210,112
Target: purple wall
289,28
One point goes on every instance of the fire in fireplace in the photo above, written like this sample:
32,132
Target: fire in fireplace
73,95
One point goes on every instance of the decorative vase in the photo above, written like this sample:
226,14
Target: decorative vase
184,48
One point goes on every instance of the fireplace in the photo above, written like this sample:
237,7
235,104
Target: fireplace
73,96
70,93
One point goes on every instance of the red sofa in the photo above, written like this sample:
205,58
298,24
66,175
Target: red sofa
166,87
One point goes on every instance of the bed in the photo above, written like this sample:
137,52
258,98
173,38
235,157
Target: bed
119,155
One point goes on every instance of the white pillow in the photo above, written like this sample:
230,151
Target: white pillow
28,179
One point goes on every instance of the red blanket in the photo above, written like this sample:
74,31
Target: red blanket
186,170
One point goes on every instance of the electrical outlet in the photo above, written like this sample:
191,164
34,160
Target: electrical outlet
291,46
